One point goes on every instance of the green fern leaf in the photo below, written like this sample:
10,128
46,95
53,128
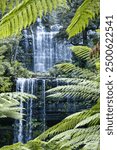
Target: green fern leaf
30,9
88,10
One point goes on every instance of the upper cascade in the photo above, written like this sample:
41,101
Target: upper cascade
47,51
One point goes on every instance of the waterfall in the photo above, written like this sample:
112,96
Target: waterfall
48,51
42,112
23,128
26,39
20,86
44,104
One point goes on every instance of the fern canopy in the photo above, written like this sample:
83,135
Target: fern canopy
83,53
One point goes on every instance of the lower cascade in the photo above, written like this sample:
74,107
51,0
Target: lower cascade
33,109
23,128
41,112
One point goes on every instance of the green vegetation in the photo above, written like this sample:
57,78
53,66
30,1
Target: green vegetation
78,131
9,70
9,103
81,77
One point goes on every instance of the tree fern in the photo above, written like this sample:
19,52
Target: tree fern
88,10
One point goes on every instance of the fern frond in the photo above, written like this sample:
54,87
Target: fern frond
88,10
9,104
92,120
8,5
71,70
76,139
25,12
3,5
83,53
76,81
82,91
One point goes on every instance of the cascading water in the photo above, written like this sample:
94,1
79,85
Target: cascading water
20,86
23,128
26,40
48,51
46,113
44,104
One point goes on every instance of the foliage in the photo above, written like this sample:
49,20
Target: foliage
25,13
10,68
17,70
81,92
82,55
82,63
5,83
73,71
9,104
78,131
82,131
89,36
88,10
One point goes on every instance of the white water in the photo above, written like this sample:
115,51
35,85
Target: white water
24,127
20,86
44,104
48,51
